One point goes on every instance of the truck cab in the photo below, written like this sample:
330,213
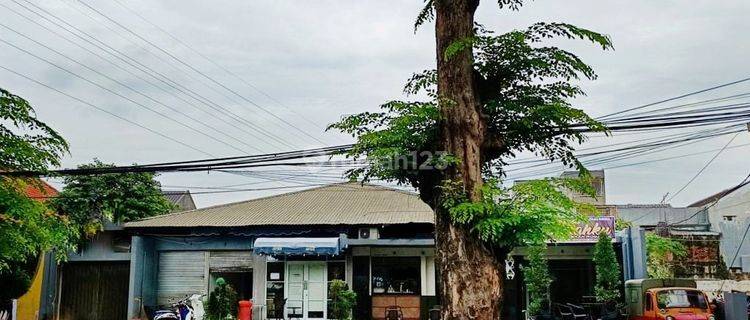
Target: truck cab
666,299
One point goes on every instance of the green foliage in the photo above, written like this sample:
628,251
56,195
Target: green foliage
722,272
529,213
537,278
427,13
661,253
222,302
622,224
29,144
342,300
27,226
607,287
524,89
91,200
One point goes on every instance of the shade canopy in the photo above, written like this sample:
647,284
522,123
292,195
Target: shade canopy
297,246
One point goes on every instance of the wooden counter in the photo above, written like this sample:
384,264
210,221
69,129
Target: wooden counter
410,305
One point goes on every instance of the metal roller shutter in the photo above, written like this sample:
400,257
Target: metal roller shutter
181,273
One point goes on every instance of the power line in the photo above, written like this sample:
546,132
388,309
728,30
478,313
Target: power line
136,65
105,111
262,160
122,96
212,61
202,73
697,174
675,98
132,89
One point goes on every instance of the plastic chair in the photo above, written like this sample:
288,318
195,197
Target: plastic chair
394,313
563,311
434,313
579,313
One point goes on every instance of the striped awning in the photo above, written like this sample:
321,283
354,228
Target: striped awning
297,246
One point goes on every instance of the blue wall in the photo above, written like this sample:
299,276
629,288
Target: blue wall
145,256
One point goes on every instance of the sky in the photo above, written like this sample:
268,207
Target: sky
297,66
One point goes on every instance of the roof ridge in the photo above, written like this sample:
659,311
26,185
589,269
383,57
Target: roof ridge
243,201
345,184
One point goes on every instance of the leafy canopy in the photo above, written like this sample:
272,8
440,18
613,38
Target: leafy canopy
26,142
607,288
524,92
523,89
92,200
529,213
661,253
28,226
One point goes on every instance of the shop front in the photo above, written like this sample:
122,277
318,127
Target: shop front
571,266
386,278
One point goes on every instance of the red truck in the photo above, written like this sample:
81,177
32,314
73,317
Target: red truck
666,299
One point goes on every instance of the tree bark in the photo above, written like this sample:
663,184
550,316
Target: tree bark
470,272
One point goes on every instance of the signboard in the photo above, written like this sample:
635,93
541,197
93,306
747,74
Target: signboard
589,232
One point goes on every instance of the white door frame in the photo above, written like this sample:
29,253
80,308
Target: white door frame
305,295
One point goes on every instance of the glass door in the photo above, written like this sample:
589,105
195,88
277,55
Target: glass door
306,290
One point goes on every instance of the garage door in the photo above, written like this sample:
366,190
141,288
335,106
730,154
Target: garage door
94,290
181,273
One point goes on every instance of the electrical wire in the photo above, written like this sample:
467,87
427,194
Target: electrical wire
697,174
89,104
267,111
138,66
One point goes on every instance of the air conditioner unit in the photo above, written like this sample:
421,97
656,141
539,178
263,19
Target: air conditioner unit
368,233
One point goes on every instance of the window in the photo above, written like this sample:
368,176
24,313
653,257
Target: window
336,271
396,275
649,302
275,290
678,298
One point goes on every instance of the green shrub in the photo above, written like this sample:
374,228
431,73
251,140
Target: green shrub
607,288
537,279
342,300
222,302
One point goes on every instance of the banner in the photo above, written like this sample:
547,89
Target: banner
589,232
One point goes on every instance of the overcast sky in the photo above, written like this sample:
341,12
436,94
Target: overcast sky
314,61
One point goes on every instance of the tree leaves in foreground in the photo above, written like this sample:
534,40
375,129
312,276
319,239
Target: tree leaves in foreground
90,201
28,227
524,91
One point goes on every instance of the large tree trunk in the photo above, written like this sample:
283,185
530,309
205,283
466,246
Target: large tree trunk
470,272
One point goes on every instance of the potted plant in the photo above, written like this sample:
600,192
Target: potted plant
342,300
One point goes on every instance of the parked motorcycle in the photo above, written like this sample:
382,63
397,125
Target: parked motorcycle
190,308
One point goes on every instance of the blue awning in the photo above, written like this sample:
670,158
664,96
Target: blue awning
297,246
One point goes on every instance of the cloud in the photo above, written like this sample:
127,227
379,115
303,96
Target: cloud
323,59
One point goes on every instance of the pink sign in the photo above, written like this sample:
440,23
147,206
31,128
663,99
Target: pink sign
589,232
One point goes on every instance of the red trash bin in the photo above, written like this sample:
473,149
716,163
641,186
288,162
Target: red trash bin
245,311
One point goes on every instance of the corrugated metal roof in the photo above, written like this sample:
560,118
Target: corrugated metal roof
337,204
183,199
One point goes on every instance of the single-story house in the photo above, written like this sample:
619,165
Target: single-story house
93,282
282,251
